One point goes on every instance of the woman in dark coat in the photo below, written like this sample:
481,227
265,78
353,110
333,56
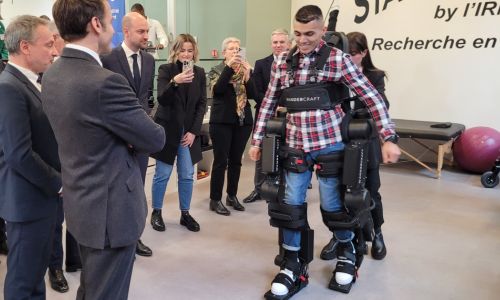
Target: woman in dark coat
182,101
230,123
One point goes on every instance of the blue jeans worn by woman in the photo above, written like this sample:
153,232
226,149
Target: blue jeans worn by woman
329,194
185,171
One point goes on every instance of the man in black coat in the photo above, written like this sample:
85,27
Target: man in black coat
279,43
140,77
29,164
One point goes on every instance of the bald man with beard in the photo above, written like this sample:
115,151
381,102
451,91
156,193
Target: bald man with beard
121,60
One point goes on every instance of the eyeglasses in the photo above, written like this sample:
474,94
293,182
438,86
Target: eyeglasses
234,49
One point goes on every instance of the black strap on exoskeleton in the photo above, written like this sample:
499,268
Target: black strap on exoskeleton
292,61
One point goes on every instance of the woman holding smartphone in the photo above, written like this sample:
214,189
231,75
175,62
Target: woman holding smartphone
230,123
182,102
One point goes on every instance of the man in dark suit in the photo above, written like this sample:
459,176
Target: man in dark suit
4,55
29,164
262,73
138,67
100,127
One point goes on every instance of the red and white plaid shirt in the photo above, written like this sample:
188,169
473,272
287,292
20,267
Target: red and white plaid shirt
316,129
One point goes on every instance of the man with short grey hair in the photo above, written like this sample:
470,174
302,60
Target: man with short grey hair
29,163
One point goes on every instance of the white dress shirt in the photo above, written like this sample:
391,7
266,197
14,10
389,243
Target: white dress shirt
128,54
86,50
157,35
32,76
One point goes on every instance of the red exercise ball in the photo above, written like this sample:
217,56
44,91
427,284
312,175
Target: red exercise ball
477,149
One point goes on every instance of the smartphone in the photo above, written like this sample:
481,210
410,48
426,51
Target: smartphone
187,65
243,54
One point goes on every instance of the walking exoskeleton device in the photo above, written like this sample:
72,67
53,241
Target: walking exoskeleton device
351,165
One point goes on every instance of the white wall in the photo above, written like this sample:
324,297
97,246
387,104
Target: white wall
13,8
457,85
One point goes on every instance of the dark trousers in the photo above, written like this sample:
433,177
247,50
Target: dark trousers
3,236
228,142
72,251
259,177
106,273
30,244
373,183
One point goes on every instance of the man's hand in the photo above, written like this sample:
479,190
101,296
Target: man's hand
254,153
390,152
160,46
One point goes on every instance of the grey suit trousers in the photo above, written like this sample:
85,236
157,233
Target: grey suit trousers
113,282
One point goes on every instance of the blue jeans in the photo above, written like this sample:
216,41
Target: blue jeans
185,171
329,194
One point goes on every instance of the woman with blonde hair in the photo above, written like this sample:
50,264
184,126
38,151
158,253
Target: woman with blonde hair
182,101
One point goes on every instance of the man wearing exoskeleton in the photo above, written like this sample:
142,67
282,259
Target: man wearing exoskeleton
304,82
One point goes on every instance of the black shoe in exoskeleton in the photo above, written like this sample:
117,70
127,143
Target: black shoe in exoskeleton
329,251
292,278
344,274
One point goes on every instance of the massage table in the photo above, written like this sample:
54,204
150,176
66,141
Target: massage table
419,131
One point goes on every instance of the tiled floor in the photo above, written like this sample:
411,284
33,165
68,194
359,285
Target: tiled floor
443,239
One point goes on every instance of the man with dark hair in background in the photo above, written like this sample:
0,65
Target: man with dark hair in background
102,129
157,36
29,164
314,131
130,60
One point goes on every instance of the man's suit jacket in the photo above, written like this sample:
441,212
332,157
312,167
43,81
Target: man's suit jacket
262,75
30,177
117,62
99,126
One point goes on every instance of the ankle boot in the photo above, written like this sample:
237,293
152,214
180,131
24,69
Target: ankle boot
233,201
188,221
219,208
379,250
157,220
